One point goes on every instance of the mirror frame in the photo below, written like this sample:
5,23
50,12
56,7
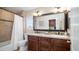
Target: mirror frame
65,25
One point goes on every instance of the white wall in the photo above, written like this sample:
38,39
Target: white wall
74,28
17,34
29,21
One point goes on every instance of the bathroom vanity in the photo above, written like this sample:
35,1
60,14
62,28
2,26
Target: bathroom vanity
47,42
49,22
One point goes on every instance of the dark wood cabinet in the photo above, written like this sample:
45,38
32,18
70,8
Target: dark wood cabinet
36,43
33,43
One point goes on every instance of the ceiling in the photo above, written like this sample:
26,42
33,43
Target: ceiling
43,10
19,9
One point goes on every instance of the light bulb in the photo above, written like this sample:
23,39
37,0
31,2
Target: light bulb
35,14
39,13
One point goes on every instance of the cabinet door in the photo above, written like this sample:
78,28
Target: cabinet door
61,45
32,43
44,44
5,15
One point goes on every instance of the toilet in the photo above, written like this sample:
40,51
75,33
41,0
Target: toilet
22,45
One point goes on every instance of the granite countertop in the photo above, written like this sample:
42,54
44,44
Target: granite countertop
49,35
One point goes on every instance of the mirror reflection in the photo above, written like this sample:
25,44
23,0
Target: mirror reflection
50,22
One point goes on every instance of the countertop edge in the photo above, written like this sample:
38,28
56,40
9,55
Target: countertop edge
49,36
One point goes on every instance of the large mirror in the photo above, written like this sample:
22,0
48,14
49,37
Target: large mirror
51,21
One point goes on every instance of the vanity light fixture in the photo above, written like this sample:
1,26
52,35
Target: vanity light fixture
60,9
54,10
37,13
